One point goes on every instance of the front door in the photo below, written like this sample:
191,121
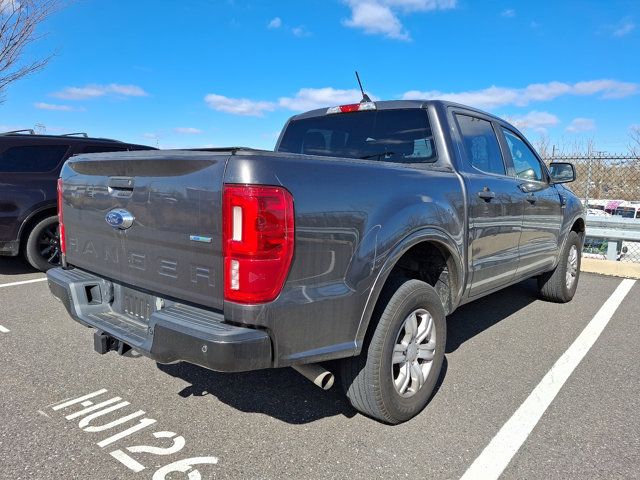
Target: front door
496,206
539,243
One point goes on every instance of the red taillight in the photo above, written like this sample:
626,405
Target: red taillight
258,230
63,241
354,107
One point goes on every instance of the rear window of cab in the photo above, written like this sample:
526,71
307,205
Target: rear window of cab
399,136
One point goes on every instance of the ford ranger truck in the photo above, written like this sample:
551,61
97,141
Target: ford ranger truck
352,242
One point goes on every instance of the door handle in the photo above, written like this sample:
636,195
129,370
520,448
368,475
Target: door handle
121,183
527,187
121,187
531,198
486,194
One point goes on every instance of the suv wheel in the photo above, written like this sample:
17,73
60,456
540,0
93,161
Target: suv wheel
42,249
394,376
560,284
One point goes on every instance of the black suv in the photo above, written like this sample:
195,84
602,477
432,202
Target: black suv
29,168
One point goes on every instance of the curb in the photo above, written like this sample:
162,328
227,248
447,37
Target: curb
611,268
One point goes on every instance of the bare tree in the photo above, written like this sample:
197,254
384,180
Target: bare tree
542,145
19,20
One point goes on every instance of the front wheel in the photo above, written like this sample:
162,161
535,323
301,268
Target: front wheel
560,284
42,249
394,376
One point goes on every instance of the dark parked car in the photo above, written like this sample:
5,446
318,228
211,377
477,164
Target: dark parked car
352,241
29,168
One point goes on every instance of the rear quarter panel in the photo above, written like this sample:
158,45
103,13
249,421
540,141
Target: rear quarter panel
350,216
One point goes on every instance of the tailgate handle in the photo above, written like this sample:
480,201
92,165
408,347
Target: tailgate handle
120,183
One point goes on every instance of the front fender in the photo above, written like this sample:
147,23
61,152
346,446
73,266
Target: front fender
573,211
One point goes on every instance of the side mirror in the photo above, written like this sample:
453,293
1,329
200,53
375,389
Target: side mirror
562,172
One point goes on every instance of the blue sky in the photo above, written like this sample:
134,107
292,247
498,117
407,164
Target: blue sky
223,72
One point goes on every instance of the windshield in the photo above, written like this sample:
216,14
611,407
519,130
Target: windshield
401,136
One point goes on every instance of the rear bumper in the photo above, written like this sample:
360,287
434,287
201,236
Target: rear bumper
10,249
174,333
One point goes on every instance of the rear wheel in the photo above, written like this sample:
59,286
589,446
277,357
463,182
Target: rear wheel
42,249
560,284
394,376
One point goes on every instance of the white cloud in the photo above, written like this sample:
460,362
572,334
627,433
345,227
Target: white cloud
509,13
486,98
608,88
300,31
126,90
493,96
95,91
80,93
150,136
305,99
380,17
188,130
56,107
312,98
534,120
623,28
238,106
421,5
275,23
375,19
578,125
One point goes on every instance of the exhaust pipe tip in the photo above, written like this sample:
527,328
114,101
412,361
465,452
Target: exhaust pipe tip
325,381
318,375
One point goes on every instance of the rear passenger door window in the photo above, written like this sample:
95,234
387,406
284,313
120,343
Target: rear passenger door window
525,162
32,158
481,144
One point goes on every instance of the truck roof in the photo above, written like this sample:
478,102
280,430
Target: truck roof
398,104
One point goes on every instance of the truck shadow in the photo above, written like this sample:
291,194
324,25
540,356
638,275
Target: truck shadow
280,393
287,396
473,318
15,266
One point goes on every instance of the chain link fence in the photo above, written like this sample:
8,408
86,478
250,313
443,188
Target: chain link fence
609,187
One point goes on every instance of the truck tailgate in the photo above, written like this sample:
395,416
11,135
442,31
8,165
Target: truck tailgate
174,244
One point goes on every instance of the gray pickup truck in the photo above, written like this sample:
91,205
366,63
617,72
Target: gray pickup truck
352,241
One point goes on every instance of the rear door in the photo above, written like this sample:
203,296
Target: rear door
539,243
28,175
495,205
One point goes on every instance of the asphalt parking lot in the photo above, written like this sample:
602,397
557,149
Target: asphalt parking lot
276,424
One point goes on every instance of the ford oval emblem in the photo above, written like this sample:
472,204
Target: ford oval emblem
119,218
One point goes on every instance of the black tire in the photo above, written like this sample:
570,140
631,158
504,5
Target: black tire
553,285
368,379
42,249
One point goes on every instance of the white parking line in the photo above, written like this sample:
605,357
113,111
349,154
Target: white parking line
87,425
3,329
498,453
24,282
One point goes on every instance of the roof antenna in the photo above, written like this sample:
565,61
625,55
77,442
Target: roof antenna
365,97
